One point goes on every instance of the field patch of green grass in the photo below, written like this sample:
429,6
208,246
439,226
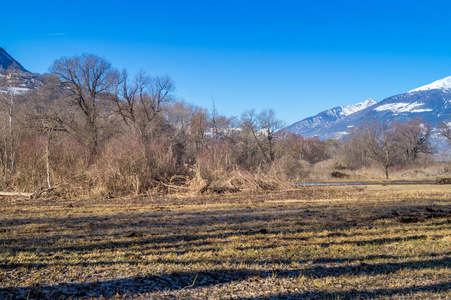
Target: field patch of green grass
311,242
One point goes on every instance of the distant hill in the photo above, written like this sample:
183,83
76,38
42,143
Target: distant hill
431,102
7,61
19,82
323,123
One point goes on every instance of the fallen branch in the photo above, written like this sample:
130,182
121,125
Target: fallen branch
28,195
192,284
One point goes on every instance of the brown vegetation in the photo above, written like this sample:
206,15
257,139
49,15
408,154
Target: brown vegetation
97,131
385,242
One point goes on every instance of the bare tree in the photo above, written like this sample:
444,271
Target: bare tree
45,117
353,151
413,138
381,143
251,134
263,128
86,79
314,150
8,108
138,102
200,123
269,125
445,130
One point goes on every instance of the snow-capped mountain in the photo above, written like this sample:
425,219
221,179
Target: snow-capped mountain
431,102
442,84
353,108
7,61
317,124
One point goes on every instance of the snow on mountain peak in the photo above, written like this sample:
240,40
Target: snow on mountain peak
442,84
353,108
400,107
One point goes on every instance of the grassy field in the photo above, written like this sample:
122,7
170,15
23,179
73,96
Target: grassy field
335,242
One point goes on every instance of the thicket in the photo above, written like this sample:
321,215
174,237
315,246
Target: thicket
90,129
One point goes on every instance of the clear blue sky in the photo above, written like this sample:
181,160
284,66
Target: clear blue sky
297,57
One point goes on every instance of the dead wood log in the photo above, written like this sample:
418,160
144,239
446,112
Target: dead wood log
28,195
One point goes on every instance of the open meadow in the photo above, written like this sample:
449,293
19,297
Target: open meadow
332,242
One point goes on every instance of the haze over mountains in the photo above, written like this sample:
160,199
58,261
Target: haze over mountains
431,102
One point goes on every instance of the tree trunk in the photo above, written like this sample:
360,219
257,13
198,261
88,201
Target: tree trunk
47,162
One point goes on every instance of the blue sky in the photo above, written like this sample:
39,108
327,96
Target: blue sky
297,57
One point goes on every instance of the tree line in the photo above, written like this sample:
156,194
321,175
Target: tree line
93,126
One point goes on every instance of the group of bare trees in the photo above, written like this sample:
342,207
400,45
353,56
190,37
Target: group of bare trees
93,125
9,128
387,143
128,130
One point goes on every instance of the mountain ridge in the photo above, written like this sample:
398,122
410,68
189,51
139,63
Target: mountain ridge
7,61
313,125
431,102
444,83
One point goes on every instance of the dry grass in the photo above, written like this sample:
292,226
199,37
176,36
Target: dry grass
312,242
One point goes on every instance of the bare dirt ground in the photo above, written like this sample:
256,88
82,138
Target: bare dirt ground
336,242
